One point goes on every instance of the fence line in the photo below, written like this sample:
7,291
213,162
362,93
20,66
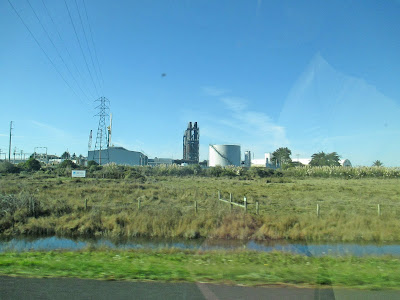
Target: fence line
244,205
319,206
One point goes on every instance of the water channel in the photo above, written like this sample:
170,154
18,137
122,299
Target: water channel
308,249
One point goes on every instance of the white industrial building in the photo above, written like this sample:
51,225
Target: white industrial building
119,156
263,162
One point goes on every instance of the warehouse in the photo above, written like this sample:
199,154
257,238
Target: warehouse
119,156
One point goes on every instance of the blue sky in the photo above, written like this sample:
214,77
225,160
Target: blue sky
313,76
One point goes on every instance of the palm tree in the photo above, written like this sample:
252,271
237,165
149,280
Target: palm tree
377,163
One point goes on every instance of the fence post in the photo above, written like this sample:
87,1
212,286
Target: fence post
230,201
86,204
219,195
138,204
257,208
245,204
195,206
317,210
379,210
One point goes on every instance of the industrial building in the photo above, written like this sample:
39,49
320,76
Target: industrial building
156,161
247,159
119,156
264,162
224,155
191,143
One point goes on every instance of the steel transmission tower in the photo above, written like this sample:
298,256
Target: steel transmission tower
102,132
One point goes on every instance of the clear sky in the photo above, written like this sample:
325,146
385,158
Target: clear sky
312,76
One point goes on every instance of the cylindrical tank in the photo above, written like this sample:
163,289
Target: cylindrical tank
224,155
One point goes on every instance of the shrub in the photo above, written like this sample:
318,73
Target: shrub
261,172
7,167
32,165
92,163
68,164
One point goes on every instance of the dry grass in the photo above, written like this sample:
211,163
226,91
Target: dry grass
348,208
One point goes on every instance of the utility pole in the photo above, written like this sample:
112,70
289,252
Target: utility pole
9,146
15,150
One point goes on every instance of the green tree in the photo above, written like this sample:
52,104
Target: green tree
325,159
281,156
377,163
66,155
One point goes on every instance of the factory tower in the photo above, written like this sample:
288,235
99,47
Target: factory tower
191,143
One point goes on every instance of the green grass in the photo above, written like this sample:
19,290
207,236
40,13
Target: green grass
243,267
348,208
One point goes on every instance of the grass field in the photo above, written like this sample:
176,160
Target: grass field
238,267
36,204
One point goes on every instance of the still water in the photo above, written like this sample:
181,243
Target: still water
308,249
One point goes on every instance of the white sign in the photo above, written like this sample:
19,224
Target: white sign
78,173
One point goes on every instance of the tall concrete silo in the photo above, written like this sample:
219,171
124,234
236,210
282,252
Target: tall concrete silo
224,155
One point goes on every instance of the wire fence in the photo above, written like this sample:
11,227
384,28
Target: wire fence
230,203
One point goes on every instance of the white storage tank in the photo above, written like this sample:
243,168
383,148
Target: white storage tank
224,155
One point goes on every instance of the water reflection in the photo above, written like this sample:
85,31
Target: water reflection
308,249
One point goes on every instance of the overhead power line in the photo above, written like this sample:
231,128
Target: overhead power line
80,46
55,47
64,44
41,48
87,44
94,45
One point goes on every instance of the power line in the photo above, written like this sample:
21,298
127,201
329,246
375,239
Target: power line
58,52
48,57
80,46
94,45
87,43
64,44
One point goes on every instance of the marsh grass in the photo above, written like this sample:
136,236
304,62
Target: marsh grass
232,267
348,208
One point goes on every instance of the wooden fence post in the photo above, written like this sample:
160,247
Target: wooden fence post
86,204
230,200
195,206
245,204
257,207
138,204
379,210
317,210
